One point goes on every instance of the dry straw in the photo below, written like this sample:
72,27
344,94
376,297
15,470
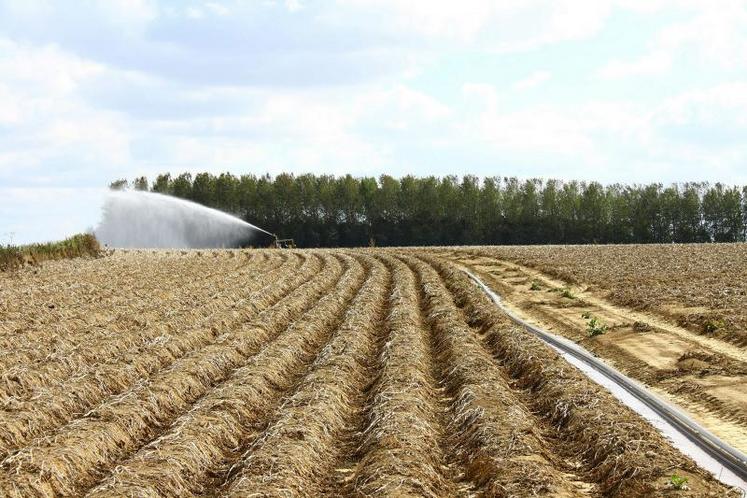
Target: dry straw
204,441
621,452
400,454
299,452
47,408
494,436
85,448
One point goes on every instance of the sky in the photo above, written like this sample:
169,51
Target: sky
632,91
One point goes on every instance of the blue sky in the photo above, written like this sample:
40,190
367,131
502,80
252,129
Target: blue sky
606,90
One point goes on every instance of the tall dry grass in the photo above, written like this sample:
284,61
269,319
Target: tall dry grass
13,257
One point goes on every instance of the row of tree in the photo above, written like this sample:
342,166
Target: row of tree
329,211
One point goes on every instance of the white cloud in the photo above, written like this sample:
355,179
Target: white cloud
653,64
503,27
433,18
358,88
217,8
715,33
293,5
685,137
194,13
43,214
484,93
710,35
49,121
531,81
724,104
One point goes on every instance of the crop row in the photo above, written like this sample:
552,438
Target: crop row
96,382
38,351
359,373
619,452
80,452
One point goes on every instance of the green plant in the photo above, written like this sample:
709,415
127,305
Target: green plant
586,315
566,292
595,326
678,482
712,326
535,286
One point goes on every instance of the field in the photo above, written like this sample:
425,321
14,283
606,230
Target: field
279,373
676,314
702,287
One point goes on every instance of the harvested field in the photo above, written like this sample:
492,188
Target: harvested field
702,287
301,373
702,372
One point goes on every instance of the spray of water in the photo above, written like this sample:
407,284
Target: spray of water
148,220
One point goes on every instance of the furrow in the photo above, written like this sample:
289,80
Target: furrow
494,437
620,452
204,442
50,409
81,452
399,456
298,454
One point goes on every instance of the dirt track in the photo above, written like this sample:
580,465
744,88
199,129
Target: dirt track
362,373
702,374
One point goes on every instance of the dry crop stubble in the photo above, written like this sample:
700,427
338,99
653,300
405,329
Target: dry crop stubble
698,371
67,352
326,372
300,452
42,311
206,441
51,409
702,287
620,452
84,348
79,454
494,436
399,454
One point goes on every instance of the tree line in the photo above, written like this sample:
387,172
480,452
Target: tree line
346,211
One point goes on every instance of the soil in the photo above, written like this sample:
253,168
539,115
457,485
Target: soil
703,375
324,373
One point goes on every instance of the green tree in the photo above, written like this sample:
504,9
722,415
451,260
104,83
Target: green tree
203,189
182,186
348,211
140,183
120,184
162,185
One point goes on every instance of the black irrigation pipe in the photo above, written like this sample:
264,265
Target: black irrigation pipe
726,455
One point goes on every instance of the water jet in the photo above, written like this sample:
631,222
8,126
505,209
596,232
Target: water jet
137,219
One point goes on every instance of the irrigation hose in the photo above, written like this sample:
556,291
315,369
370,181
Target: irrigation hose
724,454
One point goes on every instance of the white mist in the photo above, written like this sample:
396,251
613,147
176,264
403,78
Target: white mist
135,219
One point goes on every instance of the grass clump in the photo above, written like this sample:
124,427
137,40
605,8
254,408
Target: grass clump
13,257
712,326
594,326
535,286
678,482
566,292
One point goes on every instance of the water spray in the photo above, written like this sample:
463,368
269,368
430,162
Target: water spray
136,219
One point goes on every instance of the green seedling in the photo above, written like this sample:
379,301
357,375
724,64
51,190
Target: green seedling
678,482
535,286
595,327
712,326
586,315
566,292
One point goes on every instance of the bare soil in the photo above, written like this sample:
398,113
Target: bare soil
702,374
